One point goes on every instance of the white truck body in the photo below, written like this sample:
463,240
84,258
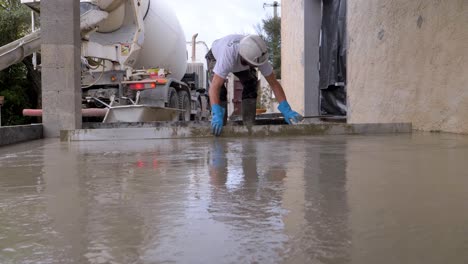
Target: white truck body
125,42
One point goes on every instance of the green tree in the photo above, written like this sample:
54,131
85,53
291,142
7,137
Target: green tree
270,30
15,81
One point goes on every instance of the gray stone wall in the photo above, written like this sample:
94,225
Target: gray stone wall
16,134
408,62
61,81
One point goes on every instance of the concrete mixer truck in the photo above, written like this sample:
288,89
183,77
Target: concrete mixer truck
134,62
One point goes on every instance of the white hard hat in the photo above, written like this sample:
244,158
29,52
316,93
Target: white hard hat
254,50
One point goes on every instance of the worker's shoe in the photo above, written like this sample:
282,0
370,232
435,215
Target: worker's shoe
224,106
249,108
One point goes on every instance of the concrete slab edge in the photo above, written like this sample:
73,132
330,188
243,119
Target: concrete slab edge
173,132
17,134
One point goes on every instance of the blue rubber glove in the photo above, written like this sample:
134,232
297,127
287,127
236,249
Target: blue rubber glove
290,116
217,119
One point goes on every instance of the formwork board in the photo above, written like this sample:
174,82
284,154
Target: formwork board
199,130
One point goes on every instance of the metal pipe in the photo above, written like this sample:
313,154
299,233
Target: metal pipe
16,51
194,47
275,6
89,112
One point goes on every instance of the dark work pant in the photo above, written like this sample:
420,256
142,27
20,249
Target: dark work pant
248,78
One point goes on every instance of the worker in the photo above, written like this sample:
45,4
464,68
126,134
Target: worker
241,55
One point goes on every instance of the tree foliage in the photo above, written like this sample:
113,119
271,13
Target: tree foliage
270,30
14,83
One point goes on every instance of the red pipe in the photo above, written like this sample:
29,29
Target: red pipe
88,112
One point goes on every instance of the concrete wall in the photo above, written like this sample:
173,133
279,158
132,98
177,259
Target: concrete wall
408,62
16,134
292,52
61,72
300,35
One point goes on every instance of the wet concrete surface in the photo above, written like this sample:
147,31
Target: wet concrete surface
324,199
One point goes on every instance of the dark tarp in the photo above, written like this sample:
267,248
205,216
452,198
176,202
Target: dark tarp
333,58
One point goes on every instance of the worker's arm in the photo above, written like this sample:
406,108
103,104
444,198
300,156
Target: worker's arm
276,87
290,116
217,112
215,89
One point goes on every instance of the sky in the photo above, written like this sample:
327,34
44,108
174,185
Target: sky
213,19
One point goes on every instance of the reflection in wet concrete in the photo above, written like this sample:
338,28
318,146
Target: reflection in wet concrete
381,199
246,198
324,236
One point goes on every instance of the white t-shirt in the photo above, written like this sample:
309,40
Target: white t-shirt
226,53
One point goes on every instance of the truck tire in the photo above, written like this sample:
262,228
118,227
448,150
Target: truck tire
172,98
184,104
